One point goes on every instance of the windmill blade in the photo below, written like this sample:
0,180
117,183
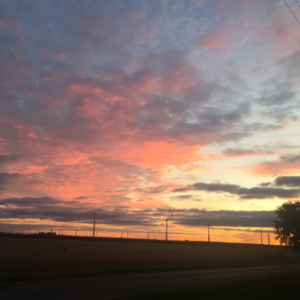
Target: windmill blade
169,217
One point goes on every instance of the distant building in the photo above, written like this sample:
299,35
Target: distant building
47,233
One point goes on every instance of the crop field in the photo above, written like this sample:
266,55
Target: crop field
272,287
98,256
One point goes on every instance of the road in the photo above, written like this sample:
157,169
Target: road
113,286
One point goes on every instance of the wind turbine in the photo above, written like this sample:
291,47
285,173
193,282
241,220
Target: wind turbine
94,224
166,229
208,232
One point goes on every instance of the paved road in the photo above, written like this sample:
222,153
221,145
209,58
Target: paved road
113,286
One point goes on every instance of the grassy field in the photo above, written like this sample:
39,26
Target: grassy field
272,287
36,257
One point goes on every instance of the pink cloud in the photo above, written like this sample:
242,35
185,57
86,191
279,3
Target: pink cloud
220,39
272,169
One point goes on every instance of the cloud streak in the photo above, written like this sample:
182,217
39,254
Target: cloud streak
75,211
262,192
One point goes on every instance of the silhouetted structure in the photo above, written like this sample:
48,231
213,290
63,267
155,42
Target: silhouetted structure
208,232
166,229
94,224
47,233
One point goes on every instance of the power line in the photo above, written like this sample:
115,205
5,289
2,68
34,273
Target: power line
297,3
292,11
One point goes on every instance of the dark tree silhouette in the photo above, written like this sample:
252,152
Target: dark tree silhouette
287,223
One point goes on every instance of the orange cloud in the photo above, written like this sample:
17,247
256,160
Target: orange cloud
272,169
161,154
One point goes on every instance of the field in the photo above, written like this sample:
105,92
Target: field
273,287
31,257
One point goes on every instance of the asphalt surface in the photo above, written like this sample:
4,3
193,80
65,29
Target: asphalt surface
114,286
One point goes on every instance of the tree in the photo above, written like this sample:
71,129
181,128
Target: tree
287,223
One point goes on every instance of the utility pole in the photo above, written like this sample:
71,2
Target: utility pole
261,239
166,229
208,232
269,239
28,228
94,224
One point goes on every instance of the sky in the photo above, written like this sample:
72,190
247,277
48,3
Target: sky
140,111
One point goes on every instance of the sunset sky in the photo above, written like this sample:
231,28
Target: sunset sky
146,110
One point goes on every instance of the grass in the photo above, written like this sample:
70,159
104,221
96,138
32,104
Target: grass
272,287
30,258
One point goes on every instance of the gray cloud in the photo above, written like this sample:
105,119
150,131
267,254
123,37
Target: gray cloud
31,202
228,218
291,181
182,197
216,187
243,152
9,158
6,177
157,189
74,211
243,193
71,211
291,158
265,184
82,197
264,193
209,187
185,197
279,97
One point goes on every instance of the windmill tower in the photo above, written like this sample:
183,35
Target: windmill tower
208,232
167,229
94,224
